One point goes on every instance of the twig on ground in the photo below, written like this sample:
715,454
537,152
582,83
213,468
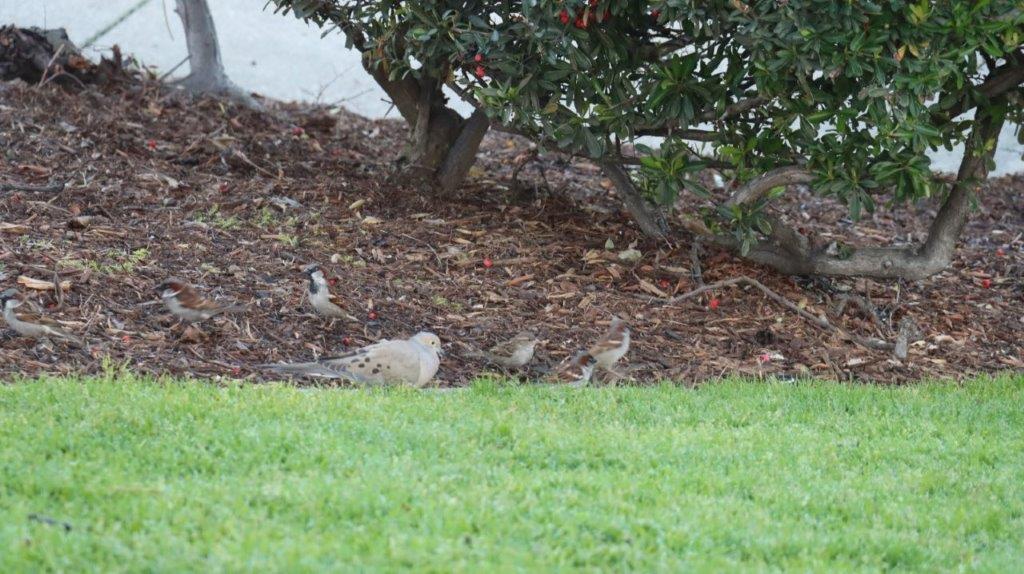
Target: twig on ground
48,188
819,322
241,155
46,70
58,293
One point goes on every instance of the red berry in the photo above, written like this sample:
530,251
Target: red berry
151,144
564,16
480,71
986,283
298,131
332,281
126,339
346,341
580,23
478,58
1000,252
488,263
764,358
236,371
223,187
664,284
714,303
655,13
372,315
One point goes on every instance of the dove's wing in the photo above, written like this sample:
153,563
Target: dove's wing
402,362
385,362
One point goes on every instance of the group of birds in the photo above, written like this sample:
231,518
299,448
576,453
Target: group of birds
412,362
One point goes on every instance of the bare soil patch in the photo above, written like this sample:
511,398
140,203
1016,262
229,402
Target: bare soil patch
115,188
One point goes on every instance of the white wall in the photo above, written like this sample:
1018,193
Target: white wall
270,54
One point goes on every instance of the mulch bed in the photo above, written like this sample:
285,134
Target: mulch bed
115,188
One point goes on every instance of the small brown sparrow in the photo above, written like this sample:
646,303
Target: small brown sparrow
576,371
31,325
612,346
413,361
514,353
187,305
319,294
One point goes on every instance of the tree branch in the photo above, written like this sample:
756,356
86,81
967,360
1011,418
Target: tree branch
732,110
789,252
819,322
758,187
692,134
1002,80
650,220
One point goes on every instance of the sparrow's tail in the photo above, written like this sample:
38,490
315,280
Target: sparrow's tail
74,340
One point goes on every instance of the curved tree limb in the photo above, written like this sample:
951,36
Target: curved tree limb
756,188
789,252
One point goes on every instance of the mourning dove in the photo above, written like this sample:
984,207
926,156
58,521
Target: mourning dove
319,293
513,353
412,362
612,346
188,305
31,325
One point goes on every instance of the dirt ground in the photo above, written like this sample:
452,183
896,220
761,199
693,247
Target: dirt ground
237,201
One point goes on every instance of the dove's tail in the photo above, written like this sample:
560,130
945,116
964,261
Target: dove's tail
312,370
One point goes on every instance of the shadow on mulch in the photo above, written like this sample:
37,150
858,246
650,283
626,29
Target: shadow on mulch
238,201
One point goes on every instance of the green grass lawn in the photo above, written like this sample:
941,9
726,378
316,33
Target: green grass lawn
735,476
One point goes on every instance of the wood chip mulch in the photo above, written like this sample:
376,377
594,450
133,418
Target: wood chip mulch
110,190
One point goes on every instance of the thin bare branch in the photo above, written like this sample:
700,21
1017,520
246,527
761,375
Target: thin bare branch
819,322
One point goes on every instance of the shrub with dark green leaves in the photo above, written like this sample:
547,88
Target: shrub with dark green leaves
846,97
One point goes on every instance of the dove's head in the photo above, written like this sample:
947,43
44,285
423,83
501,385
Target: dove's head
429,340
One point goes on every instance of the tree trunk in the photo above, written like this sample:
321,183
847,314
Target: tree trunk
443,145
207,74
462,154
